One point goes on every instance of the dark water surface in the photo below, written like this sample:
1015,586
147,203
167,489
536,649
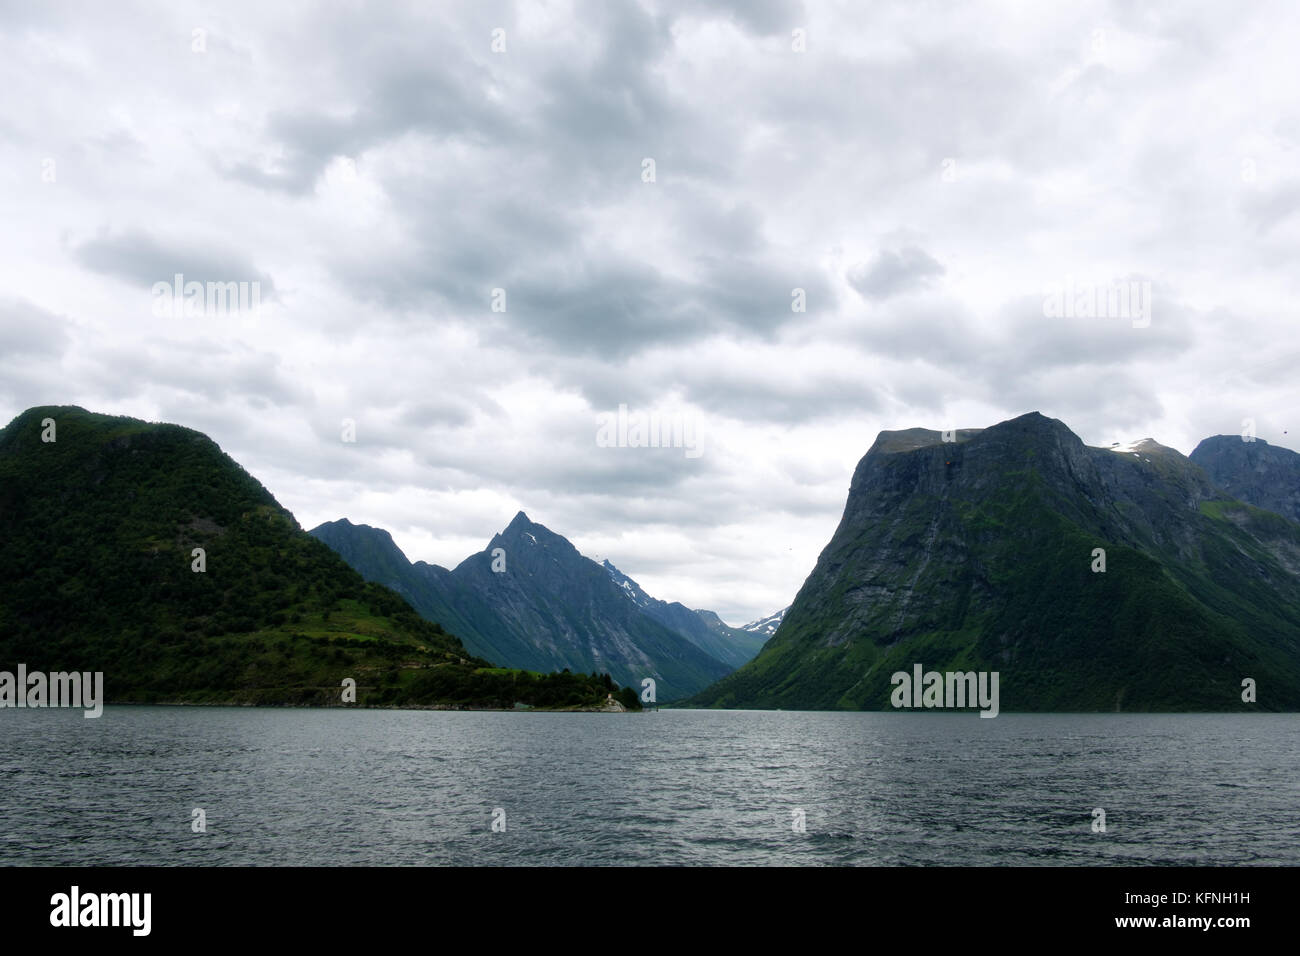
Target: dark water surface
346,787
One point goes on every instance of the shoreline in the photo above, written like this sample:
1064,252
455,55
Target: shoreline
447,707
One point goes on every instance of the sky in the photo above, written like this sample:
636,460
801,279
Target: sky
469,233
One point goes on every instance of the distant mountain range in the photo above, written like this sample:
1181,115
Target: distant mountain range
546,607
1121,578
981,554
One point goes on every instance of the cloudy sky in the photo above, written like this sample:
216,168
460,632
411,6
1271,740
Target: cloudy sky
656,188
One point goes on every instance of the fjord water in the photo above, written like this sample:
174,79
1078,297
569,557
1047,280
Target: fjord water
372,787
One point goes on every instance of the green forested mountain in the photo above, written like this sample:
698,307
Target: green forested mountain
529,599
978,554
98,531
428,588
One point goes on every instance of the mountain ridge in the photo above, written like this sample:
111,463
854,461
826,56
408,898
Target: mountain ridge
531,598
977,554
704,629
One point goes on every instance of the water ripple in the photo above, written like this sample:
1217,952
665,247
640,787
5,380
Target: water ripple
331,787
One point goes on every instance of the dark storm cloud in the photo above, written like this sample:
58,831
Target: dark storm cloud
589,114
563,286
521,206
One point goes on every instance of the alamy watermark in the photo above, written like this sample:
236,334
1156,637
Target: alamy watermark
1130,299
75,908
953,689
624,429
59,689
181,299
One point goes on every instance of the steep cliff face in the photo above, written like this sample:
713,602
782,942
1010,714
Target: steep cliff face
978,553
1255,472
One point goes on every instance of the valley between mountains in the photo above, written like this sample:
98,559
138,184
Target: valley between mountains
975,550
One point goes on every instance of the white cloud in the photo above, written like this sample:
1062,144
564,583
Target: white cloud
382,171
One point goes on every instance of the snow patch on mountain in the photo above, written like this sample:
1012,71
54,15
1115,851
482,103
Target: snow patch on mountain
767,625
631,589
1132,447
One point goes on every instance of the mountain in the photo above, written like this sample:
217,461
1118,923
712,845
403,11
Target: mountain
428,588
1255,472
704,629
766,626
547,607
99,572
978,554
